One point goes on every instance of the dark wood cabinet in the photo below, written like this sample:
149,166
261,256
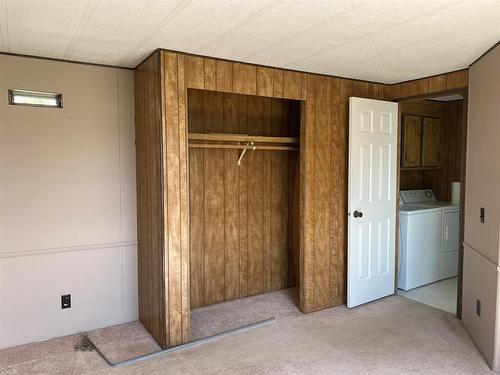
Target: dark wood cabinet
421,142
411,144
431,142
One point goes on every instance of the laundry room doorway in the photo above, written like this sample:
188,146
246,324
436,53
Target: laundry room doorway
431,176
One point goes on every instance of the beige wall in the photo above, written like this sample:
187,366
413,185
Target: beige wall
481,283
483,160
67,201
481,254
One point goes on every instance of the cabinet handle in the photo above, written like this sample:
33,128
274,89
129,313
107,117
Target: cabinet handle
446,233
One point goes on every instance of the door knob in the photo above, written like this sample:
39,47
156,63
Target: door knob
358,214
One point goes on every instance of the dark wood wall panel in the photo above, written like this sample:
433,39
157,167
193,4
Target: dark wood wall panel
324,160
148,135
240,216
175,195
429,85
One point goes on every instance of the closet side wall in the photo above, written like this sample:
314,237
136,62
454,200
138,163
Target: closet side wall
148,130
241,240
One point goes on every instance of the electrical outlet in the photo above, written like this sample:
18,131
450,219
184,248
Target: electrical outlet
478,307
66,301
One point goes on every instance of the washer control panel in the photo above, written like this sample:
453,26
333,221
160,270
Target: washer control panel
416,196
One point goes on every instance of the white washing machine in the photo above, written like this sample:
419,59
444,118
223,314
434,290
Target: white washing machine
428,239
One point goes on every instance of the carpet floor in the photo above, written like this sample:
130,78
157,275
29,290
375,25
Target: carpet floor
394,335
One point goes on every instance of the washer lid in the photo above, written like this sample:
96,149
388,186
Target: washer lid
415,209
446,206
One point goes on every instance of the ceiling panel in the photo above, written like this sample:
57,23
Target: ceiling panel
379,40
119,29
362,20
203,24
274,28
45,27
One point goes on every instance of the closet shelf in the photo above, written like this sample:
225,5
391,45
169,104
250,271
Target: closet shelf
243,147
219,137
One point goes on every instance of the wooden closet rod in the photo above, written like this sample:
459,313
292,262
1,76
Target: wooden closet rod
240,138
243,147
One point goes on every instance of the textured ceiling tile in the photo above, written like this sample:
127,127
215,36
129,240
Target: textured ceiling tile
205,21
43,27
360,21
108,39
280,23
378,40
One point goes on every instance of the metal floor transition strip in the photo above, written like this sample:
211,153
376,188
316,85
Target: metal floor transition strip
86,344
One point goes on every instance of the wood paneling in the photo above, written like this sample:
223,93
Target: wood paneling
244,79
429,85
148,135
264,81
457,79
437,83
411,88
175,203
224,76
223,247
165,220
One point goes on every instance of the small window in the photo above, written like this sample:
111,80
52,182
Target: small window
35,98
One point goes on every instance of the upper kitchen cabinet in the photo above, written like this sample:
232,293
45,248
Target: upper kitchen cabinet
412,129
431,142
421,142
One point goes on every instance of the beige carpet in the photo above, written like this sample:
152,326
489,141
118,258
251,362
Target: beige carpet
394,335
213,319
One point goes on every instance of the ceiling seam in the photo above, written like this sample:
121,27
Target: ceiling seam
239,25
4,31
86,17
434,11
155,30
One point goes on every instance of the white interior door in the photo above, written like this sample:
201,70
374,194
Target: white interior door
371,199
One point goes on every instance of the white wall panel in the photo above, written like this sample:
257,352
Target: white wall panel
67,201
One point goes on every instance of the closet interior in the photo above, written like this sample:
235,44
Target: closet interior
243,201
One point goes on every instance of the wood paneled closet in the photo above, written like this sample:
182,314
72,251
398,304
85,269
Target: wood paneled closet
210,231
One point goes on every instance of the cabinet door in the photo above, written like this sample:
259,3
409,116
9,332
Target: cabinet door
431,142
411,141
